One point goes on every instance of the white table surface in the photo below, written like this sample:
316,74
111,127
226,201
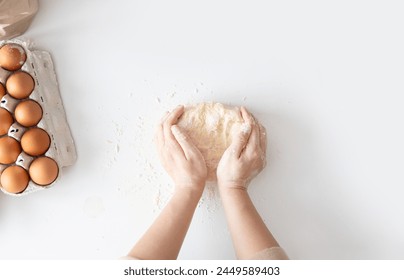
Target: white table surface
325,79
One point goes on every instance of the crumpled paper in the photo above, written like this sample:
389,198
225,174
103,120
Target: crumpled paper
16,16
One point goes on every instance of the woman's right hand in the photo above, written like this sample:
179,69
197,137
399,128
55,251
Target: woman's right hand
245,157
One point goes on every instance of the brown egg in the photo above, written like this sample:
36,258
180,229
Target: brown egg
6,120
35,141
43,171
2,90
12,57
14,179
9,150
20,85
28,113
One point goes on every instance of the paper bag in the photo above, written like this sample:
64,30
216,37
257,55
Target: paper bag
16,16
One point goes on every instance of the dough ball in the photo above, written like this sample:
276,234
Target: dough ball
211,127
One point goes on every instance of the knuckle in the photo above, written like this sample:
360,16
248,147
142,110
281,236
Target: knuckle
255,155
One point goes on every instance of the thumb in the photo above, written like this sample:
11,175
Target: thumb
240,139
185,142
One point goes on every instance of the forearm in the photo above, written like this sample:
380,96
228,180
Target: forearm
249,232
163,240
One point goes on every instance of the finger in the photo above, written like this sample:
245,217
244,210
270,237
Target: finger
189,149
240,139
171,119
159,138
247,117
164,117
263,138
253,144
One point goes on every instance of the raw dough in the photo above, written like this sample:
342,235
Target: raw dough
211,127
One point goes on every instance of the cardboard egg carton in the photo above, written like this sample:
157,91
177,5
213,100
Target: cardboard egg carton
46,92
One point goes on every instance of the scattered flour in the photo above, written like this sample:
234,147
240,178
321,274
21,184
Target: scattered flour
93,207
210,126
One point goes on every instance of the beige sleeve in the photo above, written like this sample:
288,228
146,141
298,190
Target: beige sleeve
273,253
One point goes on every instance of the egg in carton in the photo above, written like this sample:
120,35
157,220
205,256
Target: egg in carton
35,139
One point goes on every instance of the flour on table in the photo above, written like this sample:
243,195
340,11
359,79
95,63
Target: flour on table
211,127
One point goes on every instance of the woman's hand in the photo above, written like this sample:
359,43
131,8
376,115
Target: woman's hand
245,157
180,157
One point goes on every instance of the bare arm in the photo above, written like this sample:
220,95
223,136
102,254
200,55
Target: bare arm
244,159
185,164
163,240
249,233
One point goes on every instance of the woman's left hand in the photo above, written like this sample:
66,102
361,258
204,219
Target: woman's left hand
180,157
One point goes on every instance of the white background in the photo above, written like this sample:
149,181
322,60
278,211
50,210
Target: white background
324,77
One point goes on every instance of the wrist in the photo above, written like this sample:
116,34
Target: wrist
232,189
234,196
191,191
232,184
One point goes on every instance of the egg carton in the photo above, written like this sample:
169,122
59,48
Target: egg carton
46,92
